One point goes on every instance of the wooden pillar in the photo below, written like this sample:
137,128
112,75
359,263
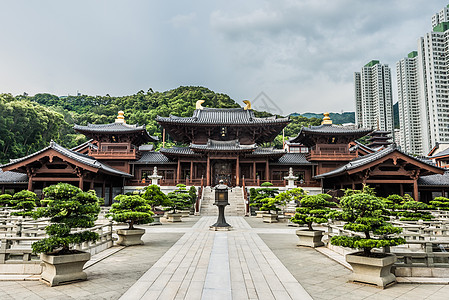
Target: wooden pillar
178,172
81,182
415,189
401,190
91,187
191,170
3,189
208,171
353,185
254,170
110,194
103,189
237,171
30,183
267,171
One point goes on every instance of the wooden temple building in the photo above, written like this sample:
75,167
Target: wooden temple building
221,144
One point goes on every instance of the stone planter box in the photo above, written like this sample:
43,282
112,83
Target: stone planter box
184,213
260,213
372,270
130,237
174,217
310,238
156,220
58,269
270,218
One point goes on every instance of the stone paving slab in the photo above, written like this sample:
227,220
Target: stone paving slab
230,265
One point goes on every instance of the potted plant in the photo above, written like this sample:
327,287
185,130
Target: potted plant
313,209
363,213
265,191
156,198
67,207
292,198
132,210
270,207
178,200
413,210
23,203
5,200
393,203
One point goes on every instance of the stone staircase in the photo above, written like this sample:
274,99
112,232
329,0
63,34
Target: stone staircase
236,205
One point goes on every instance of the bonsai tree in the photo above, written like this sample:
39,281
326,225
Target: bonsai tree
179,199
5,200
265,191
155,196
24,201
413,210
67,207
271,204
132,210
313,209
363,213
295,194
192,193
439,203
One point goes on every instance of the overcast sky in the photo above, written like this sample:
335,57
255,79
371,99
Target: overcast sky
301,53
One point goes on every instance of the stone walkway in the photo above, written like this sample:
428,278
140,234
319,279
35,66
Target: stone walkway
218,265
256,260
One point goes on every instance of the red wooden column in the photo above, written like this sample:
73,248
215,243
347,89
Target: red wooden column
191,171
401,190
254,171
267,171
91,187
208,171
30,183
237,170
81,182
178,171
415,189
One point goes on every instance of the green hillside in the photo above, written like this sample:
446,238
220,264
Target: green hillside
28,123
337,118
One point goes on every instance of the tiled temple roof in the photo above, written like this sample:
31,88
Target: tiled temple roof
153,158
82,158
117,128
363,160
12,177
434,180
293,159
213,145
222,116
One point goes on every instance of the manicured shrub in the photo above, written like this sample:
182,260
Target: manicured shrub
155,196
313,209
132,210
438,203
179,199
67,207
363,213
5,200
24,201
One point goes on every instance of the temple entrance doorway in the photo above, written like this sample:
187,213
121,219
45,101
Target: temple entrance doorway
223,170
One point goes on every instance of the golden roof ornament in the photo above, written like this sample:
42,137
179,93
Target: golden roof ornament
326,120
248,104
198,104
120,117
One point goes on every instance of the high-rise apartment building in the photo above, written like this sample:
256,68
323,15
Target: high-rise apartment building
409,137
374,100
433,82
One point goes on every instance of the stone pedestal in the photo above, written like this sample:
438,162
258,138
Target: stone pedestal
372,270
130,237
154,177
310,238
291,179
66,268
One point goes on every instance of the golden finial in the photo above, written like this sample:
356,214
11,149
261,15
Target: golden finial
248,104
120,118
198,104
326,120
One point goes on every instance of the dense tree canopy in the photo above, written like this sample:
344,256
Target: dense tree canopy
28,123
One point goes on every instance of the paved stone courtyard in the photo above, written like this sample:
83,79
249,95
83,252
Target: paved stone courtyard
187,261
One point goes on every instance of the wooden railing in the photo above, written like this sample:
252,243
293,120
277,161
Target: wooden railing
199,197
